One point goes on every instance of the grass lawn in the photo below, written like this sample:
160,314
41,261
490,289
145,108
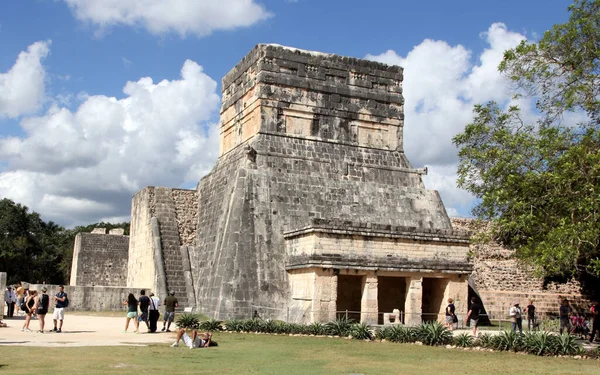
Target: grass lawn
265,354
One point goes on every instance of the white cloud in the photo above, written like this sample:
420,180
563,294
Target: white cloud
22,87
84,165
441,85
184,17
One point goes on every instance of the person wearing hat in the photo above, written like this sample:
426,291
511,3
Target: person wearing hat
42,308
516,315
11,298
170,304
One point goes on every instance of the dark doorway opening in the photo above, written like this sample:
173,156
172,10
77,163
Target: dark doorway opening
391,294
349,295
433,298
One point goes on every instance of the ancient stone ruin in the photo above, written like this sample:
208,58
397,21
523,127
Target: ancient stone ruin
312,208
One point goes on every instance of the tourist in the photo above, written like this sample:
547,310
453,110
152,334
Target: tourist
193,342
42,308
11,298
516,315
30,307
530,311
450,315
2,324
170,304
20,296
153,313
132,305
564,312
473,314
144,303
61,300
595,310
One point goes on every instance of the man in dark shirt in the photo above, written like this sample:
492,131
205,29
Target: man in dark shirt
563,313
170,304
144,302
530,310
473,314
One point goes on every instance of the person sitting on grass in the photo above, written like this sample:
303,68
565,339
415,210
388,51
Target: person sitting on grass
194,341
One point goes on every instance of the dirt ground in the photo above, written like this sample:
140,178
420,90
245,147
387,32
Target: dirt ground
82,330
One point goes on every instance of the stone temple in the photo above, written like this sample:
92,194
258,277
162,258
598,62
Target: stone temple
312,208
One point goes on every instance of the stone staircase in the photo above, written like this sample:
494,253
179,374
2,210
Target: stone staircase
169,235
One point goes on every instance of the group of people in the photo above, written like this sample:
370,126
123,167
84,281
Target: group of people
146,309
20,298
569,322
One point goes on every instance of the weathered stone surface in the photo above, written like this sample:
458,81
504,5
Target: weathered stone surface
92,298
307,136
100,259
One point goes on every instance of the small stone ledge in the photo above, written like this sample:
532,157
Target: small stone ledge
350,228
338,261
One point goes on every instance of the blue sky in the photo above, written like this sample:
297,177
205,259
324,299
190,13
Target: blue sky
69,86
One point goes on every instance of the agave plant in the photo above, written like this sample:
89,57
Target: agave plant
464,340
434,334
539,343
485,340
402,334
295,328
252,325
339,327
281,327
565,344
509,340
234,325
316,329
383,333
268,326
188,321
361,331
211,325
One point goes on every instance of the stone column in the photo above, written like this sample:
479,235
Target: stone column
324,297
2,290
414,301
368,304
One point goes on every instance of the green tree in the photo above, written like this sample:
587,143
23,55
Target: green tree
540,183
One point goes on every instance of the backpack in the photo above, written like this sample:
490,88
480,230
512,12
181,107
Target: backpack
66,301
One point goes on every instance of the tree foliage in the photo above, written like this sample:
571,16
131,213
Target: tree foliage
37,251
539,183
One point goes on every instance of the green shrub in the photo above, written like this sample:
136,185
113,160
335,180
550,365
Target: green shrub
234,325
252,325
464,340
565,344
339,327
188,321
508,341
433,333
402,334
539,343
317,329
281,328
296,329
485,340
211,325
361,331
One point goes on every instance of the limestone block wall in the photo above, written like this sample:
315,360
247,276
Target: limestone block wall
140,265
2,289
92,298
501,280
100,259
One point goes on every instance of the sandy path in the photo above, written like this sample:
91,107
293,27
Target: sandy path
81,330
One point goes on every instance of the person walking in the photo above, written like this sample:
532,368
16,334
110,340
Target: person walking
144,303
11,298
132,305
564,312
450,315
516,315
30,308
62,300
42,308
530,311
473,314
170,304
20,296
153,313
595,310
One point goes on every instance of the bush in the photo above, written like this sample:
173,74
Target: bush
539,343
485,340
464,340
211,325
565,344
234,325
188,321
508,340
339,327
402,334
316,329
252,325
433,334
361,331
